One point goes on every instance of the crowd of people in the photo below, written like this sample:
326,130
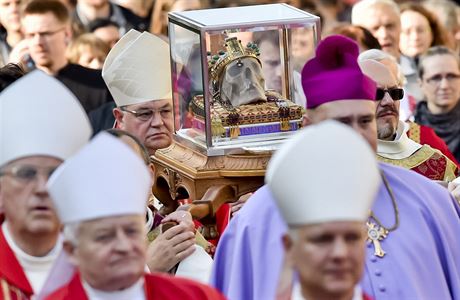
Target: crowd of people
362,202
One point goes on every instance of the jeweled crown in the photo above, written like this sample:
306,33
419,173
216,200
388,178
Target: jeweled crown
235,50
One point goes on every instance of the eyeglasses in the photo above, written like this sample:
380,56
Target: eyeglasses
44,34
28,173
395,93
436,79
145,115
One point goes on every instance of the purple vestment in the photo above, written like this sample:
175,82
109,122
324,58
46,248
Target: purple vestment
423,253
250,253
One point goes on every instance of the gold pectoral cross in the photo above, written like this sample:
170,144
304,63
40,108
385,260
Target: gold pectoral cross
375,234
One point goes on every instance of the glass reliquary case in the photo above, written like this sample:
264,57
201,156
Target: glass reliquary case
236,75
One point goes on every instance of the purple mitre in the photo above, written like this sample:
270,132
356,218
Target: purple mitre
334,74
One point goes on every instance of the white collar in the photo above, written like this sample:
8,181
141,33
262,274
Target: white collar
401,147
36,268
34,262
297,292
149,222
136,291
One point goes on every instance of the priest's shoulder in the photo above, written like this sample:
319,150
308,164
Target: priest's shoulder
71,290
163,286
420,187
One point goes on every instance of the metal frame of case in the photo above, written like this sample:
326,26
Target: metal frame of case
205,174
281,17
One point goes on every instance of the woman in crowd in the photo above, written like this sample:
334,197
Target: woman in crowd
88,51
420,30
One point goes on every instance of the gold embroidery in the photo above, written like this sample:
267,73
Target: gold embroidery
421,156
254,113
451,170
414,132
417,158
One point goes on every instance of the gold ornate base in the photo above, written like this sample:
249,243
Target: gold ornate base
184,173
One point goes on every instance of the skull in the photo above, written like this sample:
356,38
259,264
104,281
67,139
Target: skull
243,82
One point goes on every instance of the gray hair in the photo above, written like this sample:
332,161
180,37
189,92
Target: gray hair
70,232
379,55
360,8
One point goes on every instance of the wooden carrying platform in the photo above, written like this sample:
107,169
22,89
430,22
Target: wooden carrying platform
210,181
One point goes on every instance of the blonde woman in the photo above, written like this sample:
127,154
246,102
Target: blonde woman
88,50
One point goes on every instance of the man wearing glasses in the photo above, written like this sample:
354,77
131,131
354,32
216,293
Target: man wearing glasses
439,71
393,144
140,83
406,203
42,125
47,31
137,73
102,207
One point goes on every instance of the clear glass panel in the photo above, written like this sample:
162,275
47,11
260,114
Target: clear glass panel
244,15
187,76
302,49
239,85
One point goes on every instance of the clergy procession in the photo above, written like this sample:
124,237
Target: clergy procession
242,149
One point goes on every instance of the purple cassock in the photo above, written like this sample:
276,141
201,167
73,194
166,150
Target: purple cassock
250,253
422,259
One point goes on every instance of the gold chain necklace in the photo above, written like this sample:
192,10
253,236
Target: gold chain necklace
376,232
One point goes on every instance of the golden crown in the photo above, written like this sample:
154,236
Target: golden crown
218,62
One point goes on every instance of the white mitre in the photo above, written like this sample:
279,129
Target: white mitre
324,173
105,178
378,72
40,116
138,69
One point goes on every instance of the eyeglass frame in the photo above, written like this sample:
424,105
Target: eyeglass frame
14,172
389,92
450,77
44,34
136,113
